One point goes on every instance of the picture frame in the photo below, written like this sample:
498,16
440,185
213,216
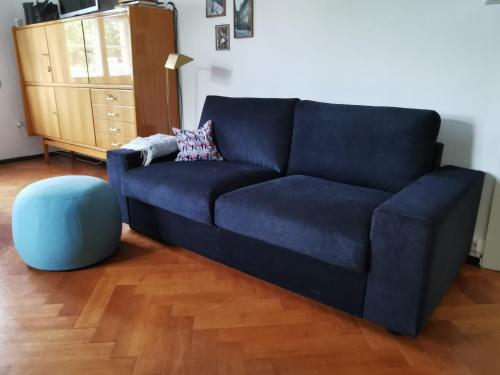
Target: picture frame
215,8
223,37
243,19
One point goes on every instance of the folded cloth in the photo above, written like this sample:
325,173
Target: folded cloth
153,146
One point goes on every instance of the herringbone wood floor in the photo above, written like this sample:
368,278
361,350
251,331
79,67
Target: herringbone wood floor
156,309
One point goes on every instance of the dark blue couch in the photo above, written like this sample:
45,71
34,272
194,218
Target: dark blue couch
344,204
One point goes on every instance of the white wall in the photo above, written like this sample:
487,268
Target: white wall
492,252
438,54
13,141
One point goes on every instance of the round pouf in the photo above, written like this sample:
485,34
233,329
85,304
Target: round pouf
66,223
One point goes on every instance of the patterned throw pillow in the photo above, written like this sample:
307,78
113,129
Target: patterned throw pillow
196,144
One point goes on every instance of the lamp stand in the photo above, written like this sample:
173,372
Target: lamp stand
174,62
169,117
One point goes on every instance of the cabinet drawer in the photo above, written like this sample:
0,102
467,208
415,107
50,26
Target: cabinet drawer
114,113
110,142
113,97
118,128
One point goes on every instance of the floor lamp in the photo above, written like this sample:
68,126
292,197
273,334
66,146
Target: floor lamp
174,62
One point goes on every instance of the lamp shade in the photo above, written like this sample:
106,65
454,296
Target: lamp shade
176,60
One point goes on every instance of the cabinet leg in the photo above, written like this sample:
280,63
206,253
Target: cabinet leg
46,155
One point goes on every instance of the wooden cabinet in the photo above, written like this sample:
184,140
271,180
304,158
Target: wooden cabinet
126,130
75,115
34,55
114,117
67,52
114,113
95,82
43,111
109,51
110,142
113,97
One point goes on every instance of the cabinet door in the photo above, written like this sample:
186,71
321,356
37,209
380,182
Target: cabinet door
67,52
34,55
109,51
75,115
43,111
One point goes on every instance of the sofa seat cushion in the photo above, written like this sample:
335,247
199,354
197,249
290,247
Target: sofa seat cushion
190,189
326,220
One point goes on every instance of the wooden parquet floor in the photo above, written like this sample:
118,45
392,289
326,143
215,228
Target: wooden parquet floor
156,309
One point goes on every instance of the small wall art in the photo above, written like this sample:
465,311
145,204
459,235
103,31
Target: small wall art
216,8
243,18
222,37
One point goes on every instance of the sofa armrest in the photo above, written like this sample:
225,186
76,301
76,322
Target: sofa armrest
119,161
420,238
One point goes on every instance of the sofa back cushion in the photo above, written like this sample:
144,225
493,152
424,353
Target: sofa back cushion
250,130
377,147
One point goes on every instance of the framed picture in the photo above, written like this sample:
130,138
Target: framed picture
222,37
243,19
216,8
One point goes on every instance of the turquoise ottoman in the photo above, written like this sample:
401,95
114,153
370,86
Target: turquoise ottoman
66,223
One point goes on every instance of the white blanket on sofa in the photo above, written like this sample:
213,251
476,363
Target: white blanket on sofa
153,146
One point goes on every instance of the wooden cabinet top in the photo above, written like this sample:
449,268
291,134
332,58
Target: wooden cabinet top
87,16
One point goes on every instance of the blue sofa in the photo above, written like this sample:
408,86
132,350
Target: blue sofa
345,204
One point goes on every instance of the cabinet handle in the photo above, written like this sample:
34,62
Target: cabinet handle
114,144
49,68
110,97
114,130
113,114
